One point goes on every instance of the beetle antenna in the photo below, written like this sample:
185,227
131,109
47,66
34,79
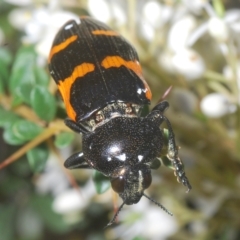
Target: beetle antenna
158,204
115,216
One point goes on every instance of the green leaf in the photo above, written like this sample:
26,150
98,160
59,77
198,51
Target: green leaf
16,101
26,130
4,75
43,206
43,103
5,56
7,118
63,139
10,137
24,91
101,182
139,238
41,76
37,158
13,184
23,68
5,60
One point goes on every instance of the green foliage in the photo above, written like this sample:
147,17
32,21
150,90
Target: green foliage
139,238
26,130
6,219
21,131
43,206
37,158
63,139
101,182
5,60
43,103
7,118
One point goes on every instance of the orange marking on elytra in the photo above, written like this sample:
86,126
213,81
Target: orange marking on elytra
65,85
117,61
105,32
57,48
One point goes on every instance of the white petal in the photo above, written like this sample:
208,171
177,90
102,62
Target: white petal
179,33
216,105
147,31
152,12
19,18
55,22
188,63
99,9
68,201
218,29
165,60
72,200
119,14
154,230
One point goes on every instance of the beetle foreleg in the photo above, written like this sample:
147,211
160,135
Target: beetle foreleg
162,106
75,126
77,160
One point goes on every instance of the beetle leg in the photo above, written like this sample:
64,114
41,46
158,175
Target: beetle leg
174,158
162,106
75,126
77,160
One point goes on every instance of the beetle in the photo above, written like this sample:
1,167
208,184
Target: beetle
100,80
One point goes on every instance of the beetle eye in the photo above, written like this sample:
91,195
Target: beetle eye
118,184
147,180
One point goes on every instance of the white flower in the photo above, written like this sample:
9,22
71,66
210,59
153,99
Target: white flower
52,180
188,63
72,200
152,17
105,11
99,9
53,24
180,32
216,105
195,6
40,25
218,29
165,60
153,223
152,11
221,29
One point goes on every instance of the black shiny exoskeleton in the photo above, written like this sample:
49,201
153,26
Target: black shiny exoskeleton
99,69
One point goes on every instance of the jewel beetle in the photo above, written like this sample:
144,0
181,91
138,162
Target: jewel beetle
100,80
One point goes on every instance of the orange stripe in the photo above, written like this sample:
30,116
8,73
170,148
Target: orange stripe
105,32
117,61
61,46
65,85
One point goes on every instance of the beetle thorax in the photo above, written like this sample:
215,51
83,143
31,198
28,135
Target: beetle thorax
116,109
122,141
